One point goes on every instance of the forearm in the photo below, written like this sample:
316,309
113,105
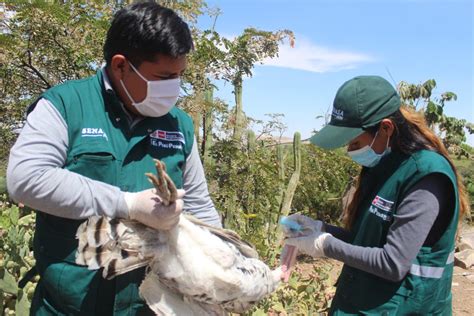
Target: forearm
35,174
413,221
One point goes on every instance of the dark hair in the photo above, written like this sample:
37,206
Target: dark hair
407,137
144,29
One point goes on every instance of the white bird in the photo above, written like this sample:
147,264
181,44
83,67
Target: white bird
193,269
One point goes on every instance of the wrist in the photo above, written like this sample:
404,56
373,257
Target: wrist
320,243
129,198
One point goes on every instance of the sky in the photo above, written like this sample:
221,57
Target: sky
336,40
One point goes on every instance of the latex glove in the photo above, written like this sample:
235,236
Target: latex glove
312,245
308,226
147,208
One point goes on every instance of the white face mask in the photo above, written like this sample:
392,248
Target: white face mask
366,156
161,96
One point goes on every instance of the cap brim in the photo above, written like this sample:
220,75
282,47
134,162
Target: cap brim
331,136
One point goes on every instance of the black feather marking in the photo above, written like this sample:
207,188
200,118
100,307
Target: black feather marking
98,256
98,225
113,228
124,254
112,268
243,270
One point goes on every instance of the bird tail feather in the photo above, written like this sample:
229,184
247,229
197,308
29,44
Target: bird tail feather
112,244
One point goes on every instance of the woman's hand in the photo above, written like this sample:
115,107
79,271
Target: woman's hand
310,238
308,226
312,245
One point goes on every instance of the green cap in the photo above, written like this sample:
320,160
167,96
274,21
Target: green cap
360,102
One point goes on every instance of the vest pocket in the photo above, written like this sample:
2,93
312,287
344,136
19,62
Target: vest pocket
95,161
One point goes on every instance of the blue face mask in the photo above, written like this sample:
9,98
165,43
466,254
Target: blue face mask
366,156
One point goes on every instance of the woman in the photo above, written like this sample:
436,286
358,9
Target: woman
398,242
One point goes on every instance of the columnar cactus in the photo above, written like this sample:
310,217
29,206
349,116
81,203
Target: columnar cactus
251,143
208,122
293,183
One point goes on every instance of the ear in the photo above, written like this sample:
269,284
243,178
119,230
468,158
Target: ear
386,127
119,66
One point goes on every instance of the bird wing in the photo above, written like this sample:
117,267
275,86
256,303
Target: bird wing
227,235
118,246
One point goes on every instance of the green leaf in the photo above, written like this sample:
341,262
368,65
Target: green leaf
259,312
22,306
3,185
278,307
8,283
14,214
27,219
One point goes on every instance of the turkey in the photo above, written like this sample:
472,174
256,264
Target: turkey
192,269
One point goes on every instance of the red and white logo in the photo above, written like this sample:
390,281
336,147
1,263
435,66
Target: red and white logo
168,136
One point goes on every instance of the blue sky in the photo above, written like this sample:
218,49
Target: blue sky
336,40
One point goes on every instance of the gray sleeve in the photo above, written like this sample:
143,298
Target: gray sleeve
36,178
415,216
197,200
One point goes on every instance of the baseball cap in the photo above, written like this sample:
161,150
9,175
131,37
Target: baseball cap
361,102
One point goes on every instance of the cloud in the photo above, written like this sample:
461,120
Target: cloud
314,58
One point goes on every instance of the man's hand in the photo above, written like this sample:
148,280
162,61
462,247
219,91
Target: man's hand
146,207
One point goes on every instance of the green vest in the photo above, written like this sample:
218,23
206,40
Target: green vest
426,289
102,147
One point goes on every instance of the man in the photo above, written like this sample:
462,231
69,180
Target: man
84,151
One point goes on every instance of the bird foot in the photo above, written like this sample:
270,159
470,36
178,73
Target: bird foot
164,186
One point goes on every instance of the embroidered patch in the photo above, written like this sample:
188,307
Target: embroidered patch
386,216
164,144
167,140
168,136
382,203
337,114
93,132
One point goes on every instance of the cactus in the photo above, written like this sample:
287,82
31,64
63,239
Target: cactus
196,117
239,112
293,183
251,143
207,131
281,162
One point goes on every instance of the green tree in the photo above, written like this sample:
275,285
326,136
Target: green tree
241,54
44,44
451,130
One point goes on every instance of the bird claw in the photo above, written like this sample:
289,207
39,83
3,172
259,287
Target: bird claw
164,186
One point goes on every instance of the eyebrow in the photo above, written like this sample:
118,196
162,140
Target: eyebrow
167,74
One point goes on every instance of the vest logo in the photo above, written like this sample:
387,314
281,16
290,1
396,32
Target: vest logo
382,208
93,132
386,216
337,114
167,139
382,203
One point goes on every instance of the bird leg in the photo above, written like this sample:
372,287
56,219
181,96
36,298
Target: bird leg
164,186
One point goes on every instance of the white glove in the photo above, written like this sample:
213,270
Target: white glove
147,208
308,226
312,245
310,238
